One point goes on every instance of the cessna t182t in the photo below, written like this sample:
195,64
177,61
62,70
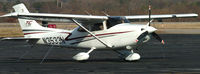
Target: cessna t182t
93,32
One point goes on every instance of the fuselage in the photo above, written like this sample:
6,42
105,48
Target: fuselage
118,36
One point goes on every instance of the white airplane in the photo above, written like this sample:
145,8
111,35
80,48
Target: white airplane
93,32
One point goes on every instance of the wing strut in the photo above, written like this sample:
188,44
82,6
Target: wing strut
104,43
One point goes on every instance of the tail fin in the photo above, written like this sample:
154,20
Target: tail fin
24,23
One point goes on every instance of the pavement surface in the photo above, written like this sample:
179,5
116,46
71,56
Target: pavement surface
180,55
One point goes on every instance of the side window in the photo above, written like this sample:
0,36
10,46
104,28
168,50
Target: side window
92,27
86,26
97,27
113,22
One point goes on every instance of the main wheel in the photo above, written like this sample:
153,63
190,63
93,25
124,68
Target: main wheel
133,57
82,56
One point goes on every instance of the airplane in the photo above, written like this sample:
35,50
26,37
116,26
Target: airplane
93,32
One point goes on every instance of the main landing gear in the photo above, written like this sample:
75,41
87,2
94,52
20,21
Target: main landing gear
129,54
132,56
82,56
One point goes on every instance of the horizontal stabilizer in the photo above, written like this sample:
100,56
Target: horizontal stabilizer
17,39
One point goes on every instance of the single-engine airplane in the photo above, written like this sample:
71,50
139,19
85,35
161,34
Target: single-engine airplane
93,32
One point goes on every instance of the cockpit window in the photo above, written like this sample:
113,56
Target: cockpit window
112,21
97,27
86,26
92,27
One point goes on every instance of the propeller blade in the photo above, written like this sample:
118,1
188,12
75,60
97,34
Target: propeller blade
143,35
158,38
149,12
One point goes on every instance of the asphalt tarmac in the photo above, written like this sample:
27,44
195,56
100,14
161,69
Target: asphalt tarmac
180,55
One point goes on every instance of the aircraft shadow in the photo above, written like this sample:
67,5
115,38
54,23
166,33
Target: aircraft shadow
16,60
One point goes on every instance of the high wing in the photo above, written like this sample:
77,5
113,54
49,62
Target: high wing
162,16
56,17
89,18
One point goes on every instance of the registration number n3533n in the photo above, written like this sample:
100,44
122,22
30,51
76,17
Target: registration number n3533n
54,40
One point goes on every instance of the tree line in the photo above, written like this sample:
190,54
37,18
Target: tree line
111,7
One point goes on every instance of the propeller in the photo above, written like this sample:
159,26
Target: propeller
154,34
144,34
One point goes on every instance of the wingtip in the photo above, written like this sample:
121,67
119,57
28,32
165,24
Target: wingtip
197,15
194,14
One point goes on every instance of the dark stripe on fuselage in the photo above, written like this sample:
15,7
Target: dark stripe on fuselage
91,39
68,39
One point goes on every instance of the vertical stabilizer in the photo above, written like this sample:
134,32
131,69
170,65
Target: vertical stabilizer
24,23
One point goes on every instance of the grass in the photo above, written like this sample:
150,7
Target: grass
10,32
